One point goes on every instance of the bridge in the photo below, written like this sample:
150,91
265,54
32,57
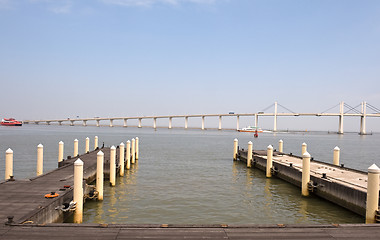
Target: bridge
345,110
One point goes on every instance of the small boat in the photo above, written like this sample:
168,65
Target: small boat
251,129
10,122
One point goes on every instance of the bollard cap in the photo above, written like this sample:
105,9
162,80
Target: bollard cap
133,139
374,169
78,162
87,138
122,144
9,151
100,153
270,147
336,148
306,155
137,138
304,144
40,145
96,136
113,147
280,140
235,140
250,143
128,142
76,140
60,142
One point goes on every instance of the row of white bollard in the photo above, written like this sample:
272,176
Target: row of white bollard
372,183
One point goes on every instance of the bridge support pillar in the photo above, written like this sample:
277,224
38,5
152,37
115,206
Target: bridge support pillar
203,122
125,122
220,123
237,122
97,123
170,122
60,122
139,122
71,122
155,123
363,119
48,122
186,122
372,194
341,111
85,123
111,122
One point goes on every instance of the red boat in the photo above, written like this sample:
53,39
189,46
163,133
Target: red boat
10,122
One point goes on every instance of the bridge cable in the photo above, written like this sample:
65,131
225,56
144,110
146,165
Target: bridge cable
330,108
351,108
285,108
373,108
267,108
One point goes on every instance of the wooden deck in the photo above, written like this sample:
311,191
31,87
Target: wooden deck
92,231
23,199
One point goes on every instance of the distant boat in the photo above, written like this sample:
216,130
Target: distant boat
251,129
10,122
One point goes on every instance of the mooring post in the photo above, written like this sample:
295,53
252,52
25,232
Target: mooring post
121,161
137,148
60,151
87,149
8,164
99,174
303,149
78,190
249,154
133,150
305,173
40,159
281,146
113,166
96,142
336,156
269,161
76,147
128,154
372,194
235,149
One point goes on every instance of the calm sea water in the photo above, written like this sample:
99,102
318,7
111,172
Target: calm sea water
188,176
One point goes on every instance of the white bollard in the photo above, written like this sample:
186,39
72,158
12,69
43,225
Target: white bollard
8,164
336,156
269,161
78,190
128,156
121,161
137,148
96,142
87,150
305,173
281,146
235,149
133,150
60,151
75,147
303,149
372,194
249,154
113,166
99,174
40,159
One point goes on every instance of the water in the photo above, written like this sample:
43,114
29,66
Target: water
188,176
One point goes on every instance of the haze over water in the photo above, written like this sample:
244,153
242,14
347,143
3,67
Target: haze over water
188,176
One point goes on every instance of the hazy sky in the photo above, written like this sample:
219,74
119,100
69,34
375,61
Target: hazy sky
63,58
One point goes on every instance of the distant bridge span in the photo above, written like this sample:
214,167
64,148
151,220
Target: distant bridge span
362,114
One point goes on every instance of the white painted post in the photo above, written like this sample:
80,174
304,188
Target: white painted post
8,164
113,166
281,146
363,119
121,159
203,122
235,149
99,174
372,193
75,147
40,159
78,190
341,111
137,148
303,148
125,122
237,122
186,122
275,117
139,122
87,145
111,122
133,151
128,154
249,154
170,122
305,173
96,142
220,123
336,156
269,161
60,151
155,123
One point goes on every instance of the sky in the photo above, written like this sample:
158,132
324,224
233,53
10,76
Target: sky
116,58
